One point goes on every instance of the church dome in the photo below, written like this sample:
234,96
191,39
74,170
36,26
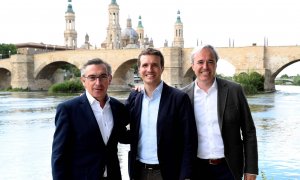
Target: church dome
129,32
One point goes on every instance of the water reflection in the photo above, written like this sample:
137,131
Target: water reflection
27,126
278,130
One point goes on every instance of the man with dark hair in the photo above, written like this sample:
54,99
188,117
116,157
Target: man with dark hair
88,129
162,125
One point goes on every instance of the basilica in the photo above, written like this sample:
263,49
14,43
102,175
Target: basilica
116,38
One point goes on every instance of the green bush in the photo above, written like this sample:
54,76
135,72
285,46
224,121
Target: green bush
257,80
249,89
252,83
224,77
70,86
296,80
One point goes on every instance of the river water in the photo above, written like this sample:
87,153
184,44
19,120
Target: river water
27,127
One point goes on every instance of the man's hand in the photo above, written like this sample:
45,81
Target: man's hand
138,88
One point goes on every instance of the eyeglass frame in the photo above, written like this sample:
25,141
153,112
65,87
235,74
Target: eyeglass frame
101,77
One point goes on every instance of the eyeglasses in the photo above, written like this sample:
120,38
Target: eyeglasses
101,77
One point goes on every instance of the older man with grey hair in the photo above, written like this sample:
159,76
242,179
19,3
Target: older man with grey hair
227,143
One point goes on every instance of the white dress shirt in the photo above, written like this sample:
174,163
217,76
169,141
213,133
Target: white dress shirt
147,145
210,142
104,118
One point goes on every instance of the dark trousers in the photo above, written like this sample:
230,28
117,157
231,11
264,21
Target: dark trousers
205,170
145,172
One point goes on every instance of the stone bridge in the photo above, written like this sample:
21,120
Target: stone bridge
37,71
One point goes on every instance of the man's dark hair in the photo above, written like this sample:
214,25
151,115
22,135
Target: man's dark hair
151,51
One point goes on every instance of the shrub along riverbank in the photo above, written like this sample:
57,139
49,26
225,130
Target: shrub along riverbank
252,83
69,86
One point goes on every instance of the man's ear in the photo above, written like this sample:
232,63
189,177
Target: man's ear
109,78
82,79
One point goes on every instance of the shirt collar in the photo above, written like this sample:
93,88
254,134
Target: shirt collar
92,100
157,91
214,86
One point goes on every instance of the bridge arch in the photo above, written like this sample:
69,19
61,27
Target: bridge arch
5,80
123,75
283,67
225,68
188,77
49,74
280,68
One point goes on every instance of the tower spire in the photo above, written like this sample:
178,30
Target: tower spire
70,33
113,37
178,32
140,31
113,1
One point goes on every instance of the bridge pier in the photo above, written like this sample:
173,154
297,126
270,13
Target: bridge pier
172,74
22,72
269,84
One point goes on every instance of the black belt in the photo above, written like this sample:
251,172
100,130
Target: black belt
149,166
213,161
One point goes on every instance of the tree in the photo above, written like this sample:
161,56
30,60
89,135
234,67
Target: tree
6,50
72,70
257,80
284,76
296,80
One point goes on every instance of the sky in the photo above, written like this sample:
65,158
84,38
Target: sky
216,22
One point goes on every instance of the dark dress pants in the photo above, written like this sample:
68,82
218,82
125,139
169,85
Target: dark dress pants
212,170
147,172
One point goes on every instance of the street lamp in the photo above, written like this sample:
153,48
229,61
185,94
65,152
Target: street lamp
9,53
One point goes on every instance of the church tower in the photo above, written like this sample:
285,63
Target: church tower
113,37
70,33
178,32
140,31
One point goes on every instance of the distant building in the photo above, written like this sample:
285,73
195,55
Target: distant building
37,48
87,44
116,38
70,33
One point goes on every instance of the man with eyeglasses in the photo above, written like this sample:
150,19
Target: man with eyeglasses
88,129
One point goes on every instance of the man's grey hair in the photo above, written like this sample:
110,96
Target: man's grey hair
95,61
199,48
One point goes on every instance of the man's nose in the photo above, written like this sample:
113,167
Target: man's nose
150,68
98,80
205,64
